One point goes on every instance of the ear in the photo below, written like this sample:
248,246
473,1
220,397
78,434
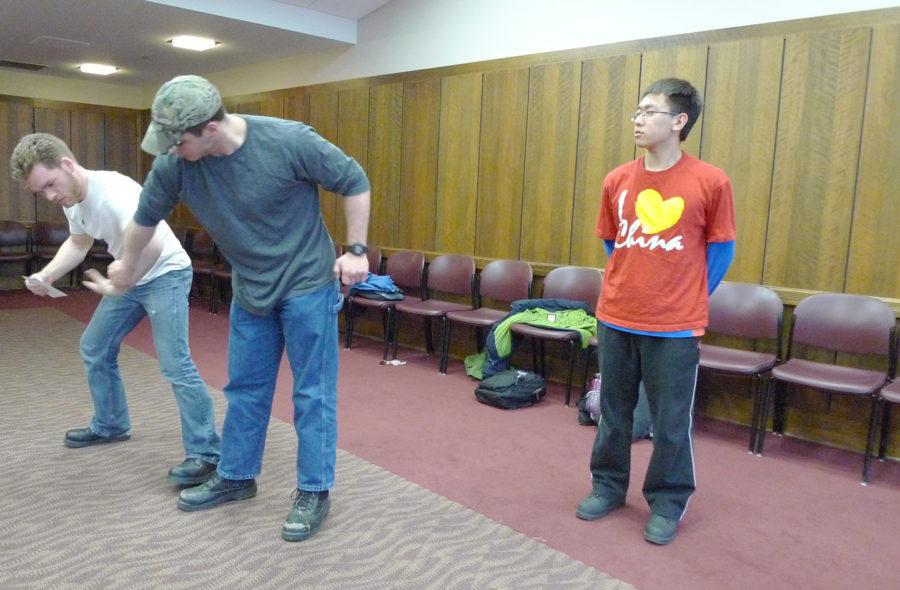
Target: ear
680,121
67,164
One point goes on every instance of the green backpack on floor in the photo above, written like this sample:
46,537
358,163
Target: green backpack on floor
511,389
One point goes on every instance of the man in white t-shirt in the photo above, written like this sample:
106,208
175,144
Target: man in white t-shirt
99,205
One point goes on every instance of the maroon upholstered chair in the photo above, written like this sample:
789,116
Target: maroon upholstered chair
451,274
835,322
752,313
14,246
577,283
890,394
500,280
406,269
46,238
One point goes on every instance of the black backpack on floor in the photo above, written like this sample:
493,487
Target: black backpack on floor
511,389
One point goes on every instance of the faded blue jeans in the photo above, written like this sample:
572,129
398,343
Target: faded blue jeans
307,326
165,301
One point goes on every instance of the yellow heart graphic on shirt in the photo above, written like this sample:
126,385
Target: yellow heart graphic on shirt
655,213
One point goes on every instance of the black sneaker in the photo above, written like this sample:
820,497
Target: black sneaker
214,491
594,507
85,437
191,471
307,515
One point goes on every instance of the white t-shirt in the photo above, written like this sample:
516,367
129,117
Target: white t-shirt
105,212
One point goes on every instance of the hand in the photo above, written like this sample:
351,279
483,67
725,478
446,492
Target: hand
37,284
351,269
120,275
100,284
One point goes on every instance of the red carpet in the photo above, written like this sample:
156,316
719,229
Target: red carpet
795,518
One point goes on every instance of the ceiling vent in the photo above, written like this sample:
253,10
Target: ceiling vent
20,65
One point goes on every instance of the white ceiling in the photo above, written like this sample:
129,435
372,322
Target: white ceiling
132,34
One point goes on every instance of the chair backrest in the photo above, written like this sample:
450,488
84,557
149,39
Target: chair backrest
578,283
374,256
745,310
44,233
405,268
451,273
506,280
13,234
844,323
202,244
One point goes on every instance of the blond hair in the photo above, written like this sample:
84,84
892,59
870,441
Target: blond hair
37,148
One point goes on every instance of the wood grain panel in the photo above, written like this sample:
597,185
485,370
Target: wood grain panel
121,145
609,91
353,138
687,62
501,163
323,116
418,167
874,265
296,107
548,201
738,136
385,131
57,122
816,153
457,181
88,139
16,204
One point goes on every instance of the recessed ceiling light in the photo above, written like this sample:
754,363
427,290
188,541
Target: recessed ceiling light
97,69
193,43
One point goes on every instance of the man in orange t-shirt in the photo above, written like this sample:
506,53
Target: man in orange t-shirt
667,222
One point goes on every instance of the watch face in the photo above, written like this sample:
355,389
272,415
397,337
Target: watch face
357,249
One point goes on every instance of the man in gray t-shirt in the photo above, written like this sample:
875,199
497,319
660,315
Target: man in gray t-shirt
252,182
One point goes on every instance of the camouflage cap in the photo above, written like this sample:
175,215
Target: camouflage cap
181,103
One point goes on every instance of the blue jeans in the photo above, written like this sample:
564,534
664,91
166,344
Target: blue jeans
307,325
165,301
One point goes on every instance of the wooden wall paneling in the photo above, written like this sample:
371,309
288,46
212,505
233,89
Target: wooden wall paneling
88,138
501,163
57,122
547,203
385,135
816,154
323,116
874,264
457,176
738,136
16,120
353,138
121,144
418,163
609,90
687,62
296,107
249,108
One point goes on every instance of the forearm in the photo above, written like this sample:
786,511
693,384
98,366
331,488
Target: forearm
135,240
70,254
149,255
356,213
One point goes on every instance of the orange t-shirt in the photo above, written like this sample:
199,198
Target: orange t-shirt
661,222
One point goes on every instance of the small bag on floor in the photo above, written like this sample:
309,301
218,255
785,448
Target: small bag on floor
511,389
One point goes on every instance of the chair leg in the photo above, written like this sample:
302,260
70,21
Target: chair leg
569,372
348,323
387,321
395,318
885,430
870,438
445,344
768,394
587,366
429,340
780,409
543,359
756,389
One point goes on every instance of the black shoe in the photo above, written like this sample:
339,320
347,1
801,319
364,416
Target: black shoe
594,507
191,471
85,437
214,491
660,530
307,515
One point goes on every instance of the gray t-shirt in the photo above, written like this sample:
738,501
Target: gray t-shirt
261,206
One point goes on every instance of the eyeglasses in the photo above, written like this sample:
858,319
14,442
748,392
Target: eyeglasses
648,113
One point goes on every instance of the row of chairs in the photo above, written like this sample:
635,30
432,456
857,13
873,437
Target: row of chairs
32,247
478,300
841,324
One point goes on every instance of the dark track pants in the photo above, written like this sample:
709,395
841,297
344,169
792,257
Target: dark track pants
668,368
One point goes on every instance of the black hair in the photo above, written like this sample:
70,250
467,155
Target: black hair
682,97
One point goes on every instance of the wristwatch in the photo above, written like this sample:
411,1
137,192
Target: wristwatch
357,249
